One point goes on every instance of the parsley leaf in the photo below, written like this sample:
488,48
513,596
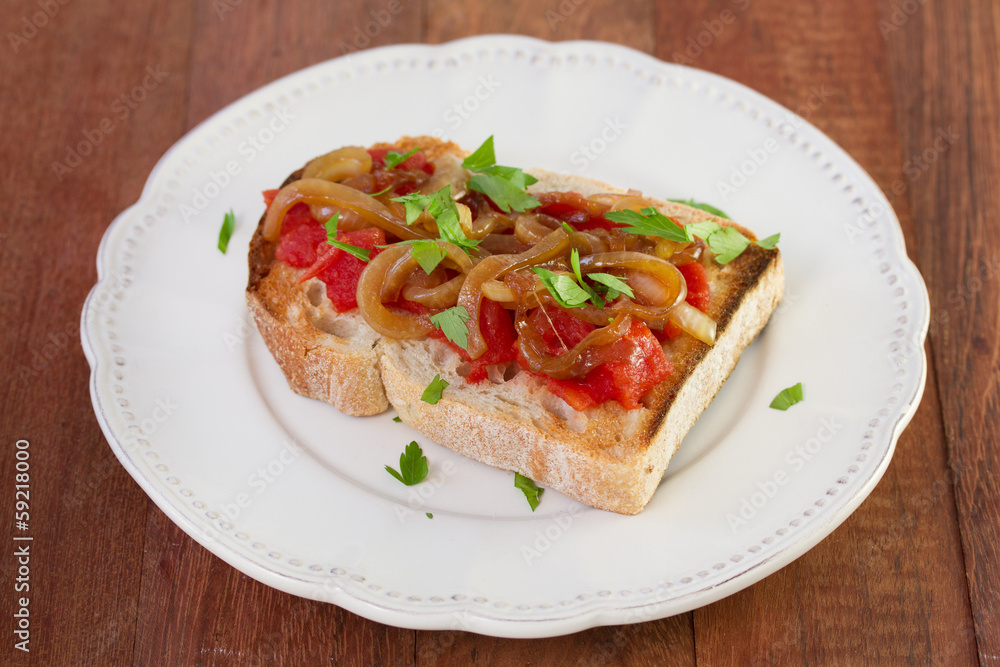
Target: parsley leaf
331,238
226,233
442,208
380,192
434,390
563,288
614,284
482,158
574,261
412,465
704,207
427,253
770,242
788,397
649,222
397,419
504,192
452,323
726,243
530,490
504,185
428,515
393,158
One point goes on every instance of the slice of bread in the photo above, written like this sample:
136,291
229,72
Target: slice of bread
606,456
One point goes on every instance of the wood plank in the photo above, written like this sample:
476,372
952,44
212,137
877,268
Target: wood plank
63,96
629,22
201,610
947,88
866,591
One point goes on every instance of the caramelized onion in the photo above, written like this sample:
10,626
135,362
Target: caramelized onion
660,269
442,296
595,349
317,192
490,268
378,317
339,164
695,322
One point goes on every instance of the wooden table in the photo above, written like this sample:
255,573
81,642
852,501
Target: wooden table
911,577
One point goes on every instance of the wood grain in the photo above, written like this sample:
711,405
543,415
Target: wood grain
908,88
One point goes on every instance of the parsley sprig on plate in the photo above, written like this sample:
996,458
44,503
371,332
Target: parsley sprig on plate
412,465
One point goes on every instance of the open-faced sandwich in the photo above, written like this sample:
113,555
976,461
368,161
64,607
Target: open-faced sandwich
565,329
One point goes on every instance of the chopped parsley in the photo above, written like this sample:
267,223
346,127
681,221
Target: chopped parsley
504,185
726,243
397,419
529,488
788,397
412,465
226,233
563,288
614,284
331,239
429,515
427,253
442,208
452,323
432,394
394,158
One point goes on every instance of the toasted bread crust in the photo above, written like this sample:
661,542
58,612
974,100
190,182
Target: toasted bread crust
609,457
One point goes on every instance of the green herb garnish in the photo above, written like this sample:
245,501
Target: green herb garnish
563,288
452,323
504,185
331,239
442,208
574,262
726,243
397,419
531,491
412,465
427,253
226,233
788,397
434,390
394,158
614,284
428,515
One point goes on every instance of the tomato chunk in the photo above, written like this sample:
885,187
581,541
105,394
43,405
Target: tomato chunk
639,364
417,161
559,329
340,271
699,290
497,326
301,235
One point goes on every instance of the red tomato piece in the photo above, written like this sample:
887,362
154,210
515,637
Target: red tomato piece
340,271
416,162
639,365
300,237
699,290
269,196
497,327
557,327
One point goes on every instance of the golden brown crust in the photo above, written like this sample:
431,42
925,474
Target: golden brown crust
607,457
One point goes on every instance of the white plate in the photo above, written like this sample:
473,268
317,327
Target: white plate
200,416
